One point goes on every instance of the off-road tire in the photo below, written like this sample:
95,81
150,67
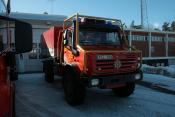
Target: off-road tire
73,89
48,70
125,91
49,77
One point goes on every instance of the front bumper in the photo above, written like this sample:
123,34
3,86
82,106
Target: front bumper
103,81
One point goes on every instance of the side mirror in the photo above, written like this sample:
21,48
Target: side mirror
65,41
23,37
23,34
64,34
75,52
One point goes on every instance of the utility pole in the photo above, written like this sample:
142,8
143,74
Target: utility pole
51,6
144,14
142,24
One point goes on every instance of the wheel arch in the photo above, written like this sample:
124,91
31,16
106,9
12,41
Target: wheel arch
72,67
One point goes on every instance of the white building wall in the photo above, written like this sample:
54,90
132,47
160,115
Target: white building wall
31,62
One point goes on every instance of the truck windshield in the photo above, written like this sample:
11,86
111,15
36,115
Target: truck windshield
98,37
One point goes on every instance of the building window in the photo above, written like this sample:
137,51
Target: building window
139,38
157,39
34,52
171,39
43,51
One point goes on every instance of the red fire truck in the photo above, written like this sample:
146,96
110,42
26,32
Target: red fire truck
8,49
90,52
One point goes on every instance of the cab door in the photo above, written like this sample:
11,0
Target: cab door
68,56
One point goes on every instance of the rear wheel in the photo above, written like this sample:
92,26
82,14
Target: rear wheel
48,70
125,91
73,89
49,77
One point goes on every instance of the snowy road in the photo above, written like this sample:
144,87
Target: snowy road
36,98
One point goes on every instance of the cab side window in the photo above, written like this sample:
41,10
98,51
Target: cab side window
69,39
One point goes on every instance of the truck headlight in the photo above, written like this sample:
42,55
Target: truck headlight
94,82
138,58
137,76
138,65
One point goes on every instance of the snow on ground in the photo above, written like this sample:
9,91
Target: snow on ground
166,71
161,76
36,98
162,81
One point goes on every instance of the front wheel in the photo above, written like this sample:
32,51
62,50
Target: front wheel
124,91
73,89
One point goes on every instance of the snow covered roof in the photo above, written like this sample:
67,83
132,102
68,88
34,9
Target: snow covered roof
31,16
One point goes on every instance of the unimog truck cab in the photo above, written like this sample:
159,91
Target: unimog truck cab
91,52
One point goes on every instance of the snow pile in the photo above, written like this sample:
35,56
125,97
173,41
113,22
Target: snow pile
160,81
170,69
151,69
167,71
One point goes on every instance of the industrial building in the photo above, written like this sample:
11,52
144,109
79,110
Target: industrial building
158,47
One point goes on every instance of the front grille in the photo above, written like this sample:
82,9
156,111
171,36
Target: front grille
128,64
105,64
